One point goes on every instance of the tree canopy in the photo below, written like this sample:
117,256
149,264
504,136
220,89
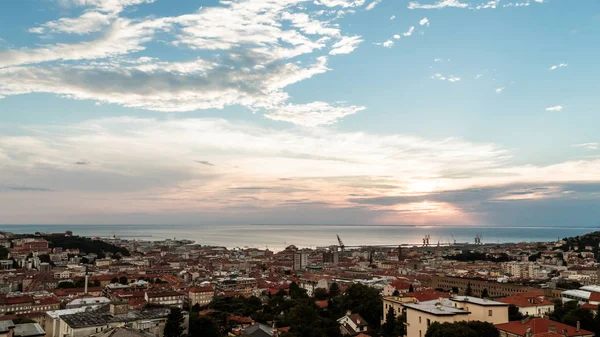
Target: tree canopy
462,329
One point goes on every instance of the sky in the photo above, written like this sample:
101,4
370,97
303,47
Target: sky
394,112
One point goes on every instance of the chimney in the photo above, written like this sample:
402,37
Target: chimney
552,328
85,287
578,326
348,313
565,332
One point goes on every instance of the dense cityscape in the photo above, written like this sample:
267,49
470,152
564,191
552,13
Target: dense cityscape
61,284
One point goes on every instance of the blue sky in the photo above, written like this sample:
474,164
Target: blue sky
126,111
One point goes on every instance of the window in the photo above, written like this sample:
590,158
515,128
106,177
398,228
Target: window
428,322
490,313
419,319
420,333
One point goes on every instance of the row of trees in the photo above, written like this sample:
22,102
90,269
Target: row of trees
293,308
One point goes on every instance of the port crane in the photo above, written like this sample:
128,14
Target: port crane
341,243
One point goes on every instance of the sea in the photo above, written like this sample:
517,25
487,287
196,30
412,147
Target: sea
277,237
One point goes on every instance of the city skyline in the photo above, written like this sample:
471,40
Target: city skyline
446,112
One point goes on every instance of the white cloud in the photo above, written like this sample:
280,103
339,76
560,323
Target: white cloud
439,4
437,60
478,76
312,114
246,51
372,5
500,90
88,22
424,21
562,65
252,167
345,45
123,37
392,17
341,3
588,146
386,44
397,36
441,77
111,6
555,108
489,4
516,4
410,31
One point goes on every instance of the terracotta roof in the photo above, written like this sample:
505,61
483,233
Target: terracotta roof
322,304
528,299
539,326
358,320
201,289
594,297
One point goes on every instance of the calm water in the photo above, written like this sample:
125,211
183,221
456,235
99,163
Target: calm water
278,236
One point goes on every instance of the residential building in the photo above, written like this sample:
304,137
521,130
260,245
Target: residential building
352,324
116,314
201,295
540,327
530,304
300,260
9,329
166,298
495,289
420,315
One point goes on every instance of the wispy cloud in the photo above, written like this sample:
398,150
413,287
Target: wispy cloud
500,90
255,76
372,5
562,65
555,108
392,17
158,175
588,146
439,4
313,114
345,45
441,77
424,21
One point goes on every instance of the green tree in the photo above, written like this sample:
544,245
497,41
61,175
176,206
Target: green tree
396,293
123,280
296,292
455,290
410,288
388,329
204,326
320,294
462,329
484,293
469,290
365,301
334,290
514,314
114,280
3,253
174,326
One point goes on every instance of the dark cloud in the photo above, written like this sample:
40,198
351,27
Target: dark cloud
81,163
203,162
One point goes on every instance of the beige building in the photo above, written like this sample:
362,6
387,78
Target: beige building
420,315
201,295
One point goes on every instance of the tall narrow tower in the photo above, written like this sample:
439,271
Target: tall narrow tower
85,287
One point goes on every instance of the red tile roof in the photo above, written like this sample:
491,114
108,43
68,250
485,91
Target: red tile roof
540,326
528,299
